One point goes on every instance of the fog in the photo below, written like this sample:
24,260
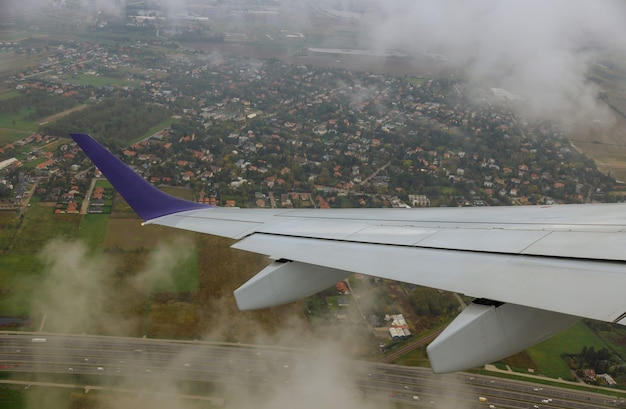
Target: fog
539,50
75,293
79,287
162,264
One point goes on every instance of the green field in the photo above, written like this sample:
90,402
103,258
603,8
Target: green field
9,224
100,81
20,267
40,226
547,355
14,127
16,271
13,63
23,270
93,228
156,128
11,398
417,81
8,95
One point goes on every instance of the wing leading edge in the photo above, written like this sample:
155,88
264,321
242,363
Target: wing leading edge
543,265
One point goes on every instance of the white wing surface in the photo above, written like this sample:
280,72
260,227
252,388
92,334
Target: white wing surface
533,269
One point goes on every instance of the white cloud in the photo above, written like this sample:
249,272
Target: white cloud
540,50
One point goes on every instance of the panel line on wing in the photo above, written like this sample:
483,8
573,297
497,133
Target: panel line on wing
546,225
460,250
535,242
618,319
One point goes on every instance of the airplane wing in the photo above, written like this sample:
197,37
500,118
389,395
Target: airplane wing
534,270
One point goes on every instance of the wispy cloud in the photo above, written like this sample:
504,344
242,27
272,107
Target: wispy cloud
76,293
537,49
540,50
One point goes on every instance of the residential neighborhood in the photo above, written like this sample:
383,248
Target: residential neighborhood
248,131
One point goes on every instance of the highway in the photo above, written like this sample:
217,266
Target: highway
461,388
248,365
137,357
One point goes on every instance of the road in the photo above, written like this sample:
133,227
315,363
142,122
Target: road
87,198
365,181
250,365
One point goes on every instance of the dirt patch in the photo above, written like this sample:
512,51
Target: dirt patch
61,114
606,145
221,270
175,319
388,65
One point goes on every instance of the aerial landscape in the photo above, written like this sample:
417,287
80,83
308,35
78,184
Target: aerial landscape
328,116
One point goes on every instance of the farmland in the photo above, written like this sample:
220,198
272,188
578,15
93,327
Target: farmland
156,281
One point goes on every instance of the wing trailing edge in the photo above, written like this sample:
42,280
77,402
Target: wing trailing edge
148,201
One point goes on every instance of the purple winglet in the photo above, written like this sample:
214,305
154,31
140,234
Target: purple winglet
148,201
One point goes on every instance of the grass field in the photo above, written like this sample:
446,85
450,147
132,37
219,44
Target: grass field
17,122
40,226
14,127
162,125
129,234
16,271
8,95
616,338
9,224
92,230
416,81
547,355
19,264
100,81
167,282
11,398
13,63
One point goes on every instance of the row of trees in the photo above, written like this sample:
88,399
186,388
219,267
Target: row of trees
38,104
602,361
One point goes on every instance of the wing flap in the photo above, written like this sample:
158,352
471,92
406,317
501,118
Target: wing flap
577,244
483,240
559,285
204,221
